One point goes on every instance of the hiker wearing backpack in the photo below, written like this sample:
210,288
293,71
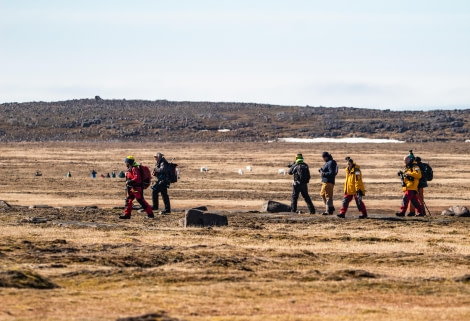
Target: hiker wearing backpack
410,176
353,188
134,186
328,173
301,174
427,175
161,173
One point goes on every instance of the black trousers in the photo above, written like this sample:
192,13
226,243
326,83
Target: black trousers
296,191
162,188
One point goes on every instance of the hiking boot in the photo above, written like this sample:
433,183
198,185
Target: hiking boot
362,216
324,213
165,212
421,215
312,212
150,216
341,215
400,214
125,217
154,208
411,214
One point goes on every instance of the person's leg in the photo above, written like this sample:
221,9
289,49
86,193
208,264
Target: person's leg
308,200
294,198
329,197
415,201
323,197
145,205
404,203
166,199
128,209
360,205
344,206
154,199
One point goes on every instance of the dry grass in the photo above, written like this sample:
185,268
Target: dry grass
274,267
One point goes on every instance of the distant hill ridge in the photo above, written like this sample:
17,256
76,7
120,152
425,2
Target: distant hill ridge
161,120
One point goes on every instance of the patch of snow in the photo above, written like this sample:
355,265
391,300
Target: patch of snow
349,140
467,141
223,130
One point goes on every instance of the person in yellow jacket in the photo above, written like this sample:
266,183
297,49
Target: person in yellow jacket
410,176
353,187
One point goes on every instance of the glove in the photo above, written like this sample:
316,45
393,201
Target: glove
410,178
129,182
400,173
359,193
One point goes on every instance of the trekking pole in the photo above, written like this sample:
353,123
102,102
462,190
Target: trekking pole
422,201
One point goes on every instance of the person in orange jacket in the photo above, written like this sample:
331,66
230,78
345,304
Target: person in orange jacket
353,188
410,176
134,189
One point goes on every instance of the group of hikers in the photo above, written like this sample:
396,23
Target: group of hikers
414,176
135,184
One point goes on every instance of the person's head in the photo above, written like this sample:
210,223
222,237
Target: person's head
407,160
158,156
350,161
299,158
129,160
326,156
411,155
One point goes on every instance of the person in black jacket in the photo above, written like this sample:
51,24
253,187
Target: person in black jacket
161,185
301,174
328,173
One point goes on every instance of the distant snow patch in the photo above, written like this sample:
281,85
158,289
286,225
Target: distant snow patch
349,140
223,130
467,141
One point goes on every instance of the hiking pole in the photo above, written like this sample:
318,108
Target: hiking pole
422,201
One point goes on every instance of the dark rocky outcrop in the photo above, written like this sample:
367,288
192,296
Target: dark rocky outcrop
274,207
139,120
198,218
24,279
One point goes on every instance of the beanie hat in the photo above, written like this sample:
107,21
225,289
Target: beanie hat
299,158
411,155
325,154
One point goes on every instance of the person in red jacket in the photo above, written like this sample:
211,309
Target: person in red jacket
134,189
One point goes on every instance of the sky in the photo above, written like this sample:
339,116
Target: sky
385,54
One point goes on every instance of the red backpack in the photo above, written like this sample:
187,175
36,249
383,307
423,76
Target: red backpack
146,176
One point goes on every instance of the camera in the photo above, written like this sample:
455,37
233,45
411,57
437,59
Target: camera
290,165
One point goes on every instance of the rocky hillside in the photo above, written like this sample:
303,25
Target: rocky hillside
138,120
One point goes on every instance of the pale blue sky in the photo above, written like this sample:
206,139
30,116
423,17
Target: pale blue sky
398,54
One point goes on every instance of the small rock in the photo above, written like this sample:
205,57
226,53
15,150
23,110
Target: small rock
274,207
198,218
460,211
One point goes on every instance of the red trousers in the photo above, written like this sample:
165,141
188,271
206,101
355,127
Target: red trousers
136,193
359,203
411,196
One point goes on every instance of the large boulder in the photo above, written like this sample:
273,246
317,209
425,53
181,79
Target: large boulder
274,207
458,210
198,218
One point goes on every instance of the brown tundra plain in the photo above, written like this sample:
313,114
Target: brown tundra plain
75,260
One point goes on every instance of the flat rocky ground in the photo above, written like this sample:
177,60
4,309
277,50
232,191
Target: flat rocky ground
75,261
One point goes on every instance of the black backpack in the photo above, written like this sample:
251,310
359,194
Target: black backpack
303,173
172,172
426,171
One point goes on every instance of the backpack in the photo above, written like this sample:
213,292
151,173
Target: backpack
146,176
303,173
426,171
172,172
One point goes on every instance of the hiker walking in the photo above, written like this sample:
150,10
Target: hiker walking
328,173
134,188
410,176
353,188
426,174
161,173
301,174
